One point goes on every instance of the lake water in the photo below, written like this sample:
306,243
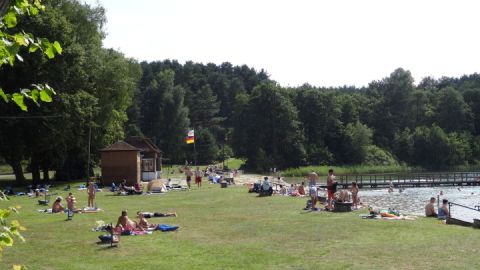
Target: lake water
413,200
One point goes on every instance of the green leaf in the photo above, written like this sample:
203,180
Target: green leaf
11,19
3,95
33,47
35,94
19,100
57,47
4,213
6,240
46,95
20,39
49,51
33,11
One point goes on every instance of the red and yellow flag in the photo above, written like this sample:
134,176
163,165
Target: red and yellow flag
190,137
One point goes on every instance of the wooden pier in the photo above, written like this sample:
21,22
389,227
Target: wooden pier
421,179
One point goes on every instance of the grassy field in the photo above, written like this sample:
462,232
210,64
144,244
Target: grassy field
232,229
356,169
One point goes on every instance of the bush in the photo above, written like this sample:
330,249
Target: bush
378,156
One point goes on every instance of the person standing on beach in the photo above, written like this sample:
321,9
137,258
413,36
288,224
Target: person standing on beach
198,177
188,174
331,187
312,188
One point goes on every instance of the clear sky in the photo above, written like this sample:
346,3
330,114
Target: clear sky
324,43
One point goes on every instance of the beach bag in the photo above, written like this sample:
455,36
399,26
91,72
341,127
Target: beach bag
105,238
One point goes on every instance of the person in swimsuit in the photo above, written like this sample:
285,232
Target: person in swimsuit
143,223
71,202
198,177
354,191
57,206
331,187
443,211
91,194
188,174
312,189
124,222
301,189
430,208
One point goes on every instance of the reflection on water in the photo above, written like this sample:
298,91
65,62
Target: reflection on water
413,200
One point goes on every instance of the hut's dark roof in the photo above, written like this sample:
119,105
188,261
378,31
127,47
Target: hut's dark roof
144,144
120,146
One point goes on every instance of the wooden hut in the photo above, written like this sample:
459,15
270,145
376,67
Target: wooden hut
120,161
150,156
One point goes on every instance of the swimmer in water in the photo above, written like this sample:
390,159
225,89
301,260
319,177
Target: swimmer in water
441,192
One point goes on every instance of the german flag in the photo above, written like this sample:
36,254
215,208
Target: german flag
190,137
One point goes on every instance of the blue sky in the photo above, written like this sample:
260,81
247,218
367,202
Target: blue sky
324,43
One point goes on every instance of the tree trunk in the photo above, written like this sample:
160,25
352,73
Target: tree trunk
18,171
46,176
35,168
4,4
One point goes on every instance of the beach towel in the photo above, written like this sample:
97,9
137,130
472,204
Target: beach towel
167,228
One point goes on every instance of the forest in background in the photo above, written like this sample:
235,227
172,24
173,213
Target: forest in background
237,111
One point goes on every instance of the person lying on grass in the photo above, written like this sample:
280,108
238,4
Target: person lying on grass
57,207
125,223
157,214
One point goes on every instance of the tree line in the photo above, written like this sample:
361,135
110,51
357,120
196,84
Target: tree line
238,111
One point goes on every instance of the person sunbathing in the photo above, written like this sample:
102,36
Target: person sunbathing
125,223
157,214
57,207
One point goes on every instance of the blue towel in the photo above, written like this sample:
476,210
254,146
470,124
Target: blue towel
167,228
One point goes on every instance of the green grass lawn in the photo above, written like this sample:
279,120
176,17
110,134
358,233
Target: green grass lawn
232,229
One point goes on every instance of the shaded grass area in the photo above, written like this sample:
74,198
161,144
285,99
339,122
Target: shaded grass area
231,229
356,169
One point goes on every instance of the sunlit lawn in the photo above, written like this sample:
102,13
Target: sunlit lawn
232,229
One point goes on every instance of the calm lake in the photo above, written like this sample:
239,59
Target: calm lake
413,200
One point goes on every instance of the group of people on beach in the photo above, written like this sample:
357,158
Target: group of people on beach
210,172
443,211
124,223
57,206
332,193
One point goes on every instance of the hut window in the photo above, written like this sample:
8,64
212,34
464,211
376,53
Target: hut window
147,165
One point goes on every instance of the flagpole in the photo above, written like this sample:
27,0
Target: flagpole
194,153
